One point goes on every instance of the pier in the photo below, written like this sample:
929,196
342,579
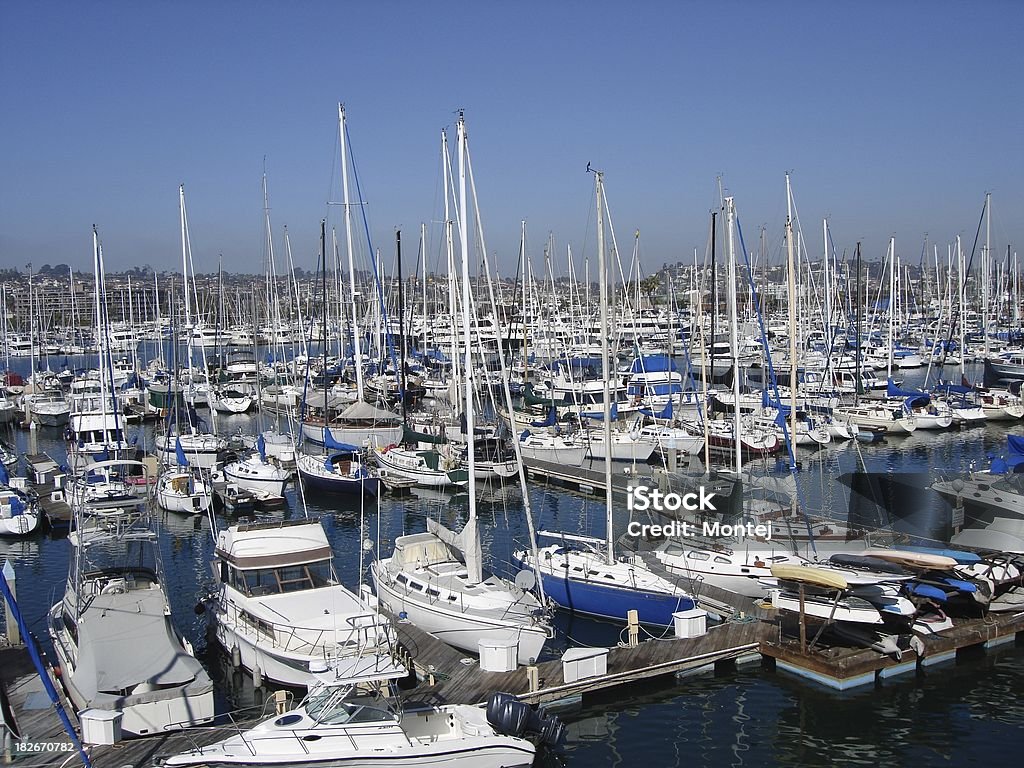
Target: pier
449,676
446,675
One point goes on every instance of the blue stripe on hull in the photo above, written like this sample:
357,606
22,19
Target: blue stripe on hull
613,603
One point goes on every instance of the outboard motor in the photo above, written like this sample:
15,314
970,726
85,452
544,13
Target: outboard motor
512,717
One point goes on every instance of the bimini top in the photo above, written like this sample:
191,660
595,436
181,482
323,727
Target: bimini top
274,545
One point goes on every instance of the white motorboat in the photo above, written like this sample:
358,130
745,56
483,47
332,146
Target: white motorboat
333,728
741,571
279,602
112,632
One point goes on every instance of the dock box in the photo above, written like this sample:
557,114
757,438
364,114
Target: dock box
581,663
498,656
692,623
100,726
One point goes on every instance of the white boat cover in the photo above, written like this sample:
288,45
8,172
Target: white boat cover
125,639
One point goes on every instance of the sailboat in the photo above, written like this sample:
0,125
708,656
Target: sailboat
182,487
436,579
575,572
112,632
96,429
204,448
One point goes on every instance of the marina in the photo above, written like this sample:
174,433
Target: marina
386,386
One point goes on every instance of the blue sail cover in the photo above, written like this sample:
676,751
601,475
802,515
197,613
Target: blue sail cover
666,412
4,477
1015,460
549,420
911,397
599,415
333,445
179,453
654,364
261,446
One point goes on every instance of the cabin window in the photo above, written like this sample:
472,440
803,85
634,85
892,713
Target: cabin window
723,560
698,556
401,579
289,578
416,585
433,592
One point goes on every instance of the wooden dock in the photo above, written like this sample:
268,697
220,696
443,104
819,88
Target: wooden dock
452,676
54,505
35,720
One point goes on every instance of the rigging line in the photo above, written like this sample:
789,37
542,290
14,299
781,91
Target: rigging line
771,372
369,244
963,277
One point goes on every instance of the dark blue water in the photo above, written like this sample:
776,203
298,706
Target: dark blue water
964,712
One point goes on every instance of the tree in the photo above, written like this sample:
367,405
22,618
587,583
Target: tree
649,287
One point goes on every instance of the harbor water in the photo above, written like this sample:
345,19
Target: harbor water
963,712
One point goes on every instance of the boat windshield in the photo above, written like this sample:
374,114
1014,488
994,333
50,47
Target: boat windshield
287,578
331,705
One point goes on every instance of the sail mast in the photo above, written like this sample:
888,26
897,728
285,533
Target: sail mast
602,269
351,267
474,567
730,223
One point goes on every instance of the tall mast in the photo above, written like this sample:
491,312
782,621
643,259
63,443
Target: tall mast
857,308
602,270
351,264
793,373
730,223
474,567
986,269
892,306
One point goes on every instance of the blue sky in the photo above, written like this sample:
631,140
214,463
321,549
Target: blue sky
894,118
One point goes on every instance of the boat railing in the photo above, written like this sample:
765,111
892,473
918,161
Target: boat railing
359,636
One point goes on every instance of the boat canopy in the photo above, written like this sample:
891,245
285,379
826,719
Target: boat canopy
125,640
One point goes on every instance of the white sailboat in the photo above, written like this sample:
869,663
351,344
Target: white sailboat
436,579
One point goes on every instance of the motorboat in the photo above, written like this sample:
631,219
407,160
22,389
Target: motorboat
336,727
112,632
278,601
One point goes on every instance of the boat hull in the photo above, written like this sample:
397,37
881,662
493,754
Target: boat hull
461,630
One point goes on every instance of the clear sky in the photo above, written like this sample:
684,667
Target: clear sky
894,118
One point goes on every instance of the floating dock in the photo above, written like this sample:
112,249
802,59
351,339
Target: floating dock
451,676
842,668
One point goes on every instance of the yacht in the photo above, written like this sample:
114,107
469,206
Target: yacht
279,602
112,632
